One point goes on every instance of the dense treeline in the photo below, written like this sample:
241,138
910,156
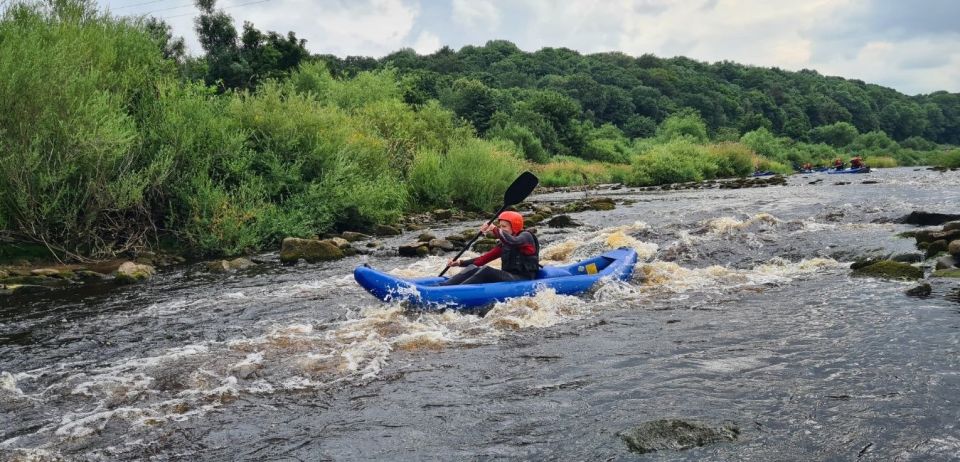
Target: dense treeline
635,94
138,144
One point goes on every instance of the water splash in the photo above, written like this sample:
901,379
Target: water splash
727,225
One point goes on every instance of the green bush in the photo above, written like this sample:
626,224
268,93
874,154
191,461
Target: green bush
677,161
767,165
732,159
880,162
525,140
766,144
948,159
573,171
684,124
72,171
472,175
838,135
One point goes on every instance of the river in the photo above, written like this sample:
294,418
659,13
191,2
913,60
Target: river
741,311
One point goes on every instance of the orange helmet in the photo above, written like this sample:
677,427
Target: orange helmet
515,220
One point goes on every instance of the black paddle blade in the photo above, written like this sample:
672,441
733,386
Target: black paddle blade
520,189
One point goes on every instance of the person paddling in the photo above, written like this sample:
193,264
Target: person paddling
856,162
518,250
838,164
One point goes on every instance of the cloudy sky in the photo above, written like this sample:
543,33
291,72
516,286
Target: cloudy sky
912,46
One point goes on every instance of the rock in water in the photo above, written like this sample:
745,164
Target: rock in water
386,230
312,250
130,272
946,262
922,290
927,218
676,435
954,248
443,214
562,221
414,249
889,269
936,247
442,244
354,236
947,273
222,266
426,237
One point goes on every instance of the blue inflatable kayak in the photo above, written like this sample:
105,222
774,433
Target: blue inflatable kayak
568,279
850,170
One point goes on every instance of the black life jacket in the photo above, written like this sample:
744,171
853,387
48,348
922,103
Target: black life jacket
514,261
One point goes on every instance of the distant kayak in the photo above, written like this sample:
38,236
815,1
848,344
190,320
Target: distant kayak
850,170
567,279
764,173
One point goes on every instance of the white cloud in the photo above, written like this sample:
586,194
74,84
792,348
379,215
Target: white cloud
426,43
350,27
476,14
834,37
371,28
920,65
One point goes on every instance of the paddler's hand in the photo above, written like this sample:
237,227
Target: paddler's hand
487,228
452,263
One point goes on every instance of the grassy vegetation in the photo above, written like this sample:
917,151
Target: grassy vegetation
106,146
881,162
947,159
570,171
121,152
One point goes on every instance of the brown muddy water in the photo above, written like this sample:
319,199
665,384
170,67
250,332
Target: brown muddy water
741,312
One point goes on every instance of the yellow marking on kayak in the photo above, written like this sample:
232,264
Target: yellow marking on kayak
592,268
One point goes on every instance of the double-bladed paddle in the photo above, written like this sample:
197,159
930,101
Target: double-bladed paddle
516,193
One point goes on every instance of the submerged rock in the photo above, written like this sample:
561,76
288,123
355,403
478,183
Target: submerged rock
936,247
947,273
889,269
130,272
921,290
927,219
312,250
601,203
426,237
353,236
865,262
535,218
387,230
11,289
222,266
673,434
908,257
87,275
442,244
954,248
562,221
414,249
443,214
947,262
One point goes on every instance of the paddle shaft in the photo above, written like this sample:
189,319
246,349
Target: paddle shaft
479,233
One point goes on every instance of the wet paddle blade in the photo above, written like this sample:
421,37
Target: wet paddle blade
520,189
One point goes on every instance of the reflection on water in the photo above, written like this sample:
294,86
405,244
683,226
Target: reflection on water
741,309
